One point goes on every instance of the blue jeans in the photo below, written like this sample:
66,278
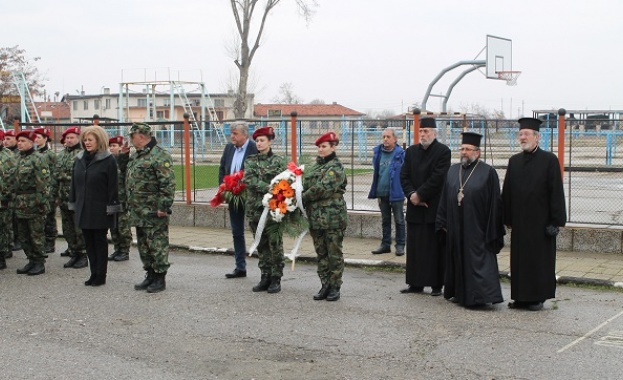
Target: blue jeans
387,208
236,219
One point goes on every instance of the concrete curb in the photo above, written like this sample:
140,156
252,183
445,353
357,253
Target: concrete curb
562,280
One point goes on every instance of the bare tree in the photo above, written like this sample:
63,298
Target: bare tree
287,95
317,101
244,12
13,59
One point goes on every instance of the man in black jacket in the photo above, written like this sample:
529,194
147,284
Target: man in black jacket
232,161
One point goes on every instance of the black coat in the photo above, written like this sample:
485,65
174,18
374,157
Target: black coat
228,155
94,194
533,197
424,171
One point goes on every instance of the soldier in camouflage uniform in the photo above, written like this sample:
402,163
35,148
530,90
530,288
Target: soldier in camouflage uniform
150,190
324,186
31,188
7,170
51,231
64,169
122,233
259,170
10,142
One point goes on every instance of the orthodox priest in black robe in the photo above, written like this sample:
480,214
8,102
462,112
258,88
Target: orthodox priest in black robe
422,176
534,208
470,212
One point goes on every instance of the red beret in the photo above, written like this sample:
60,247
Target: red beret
264,131
30,134
116,140
9,132
43,131
1,134
69,130
327,137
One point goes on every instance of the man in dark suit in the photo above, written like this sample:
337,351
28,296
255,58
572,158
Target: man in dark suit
422,177
232,161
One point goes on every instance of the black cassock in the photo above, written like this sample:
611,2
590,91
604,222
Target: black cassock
475,234
534,198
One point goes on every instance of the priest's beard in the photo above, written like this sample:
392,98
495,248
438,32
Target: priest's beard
466,161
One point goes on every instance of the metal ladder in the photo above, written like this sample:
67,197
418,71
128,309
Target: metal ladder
217,126
29,109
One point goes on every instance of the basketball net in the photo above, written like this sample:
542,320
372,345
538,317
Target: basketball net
509,76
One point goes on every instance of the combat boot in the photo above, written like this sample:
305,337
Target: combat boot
71,262
82,261
159,284
263,284
66,253
322,293
275,285
334,294
17,246
8,255
149,278
26,268
50,247
113,255
38,268
122,256
2,261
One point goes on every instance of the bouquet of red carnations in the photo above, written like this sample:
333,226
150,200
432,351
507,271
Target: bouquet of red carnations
232,190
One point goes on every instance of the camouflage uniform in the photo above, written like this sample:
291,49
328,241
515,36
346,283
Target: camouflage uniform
64,170
150,186
31,190
7,169
122,233
259,170
13,226
51,231
323,198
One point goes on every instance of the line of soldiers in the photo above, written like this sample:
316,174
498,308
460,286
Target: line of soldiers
34,181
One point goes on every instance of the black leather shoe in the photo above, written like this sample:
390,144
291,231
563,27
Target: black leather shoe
334,294
322,293
17,246
412,289
380,250
435,292
99,280
89,282
517,305
237,273
66,253
275,285
536,306
122,256
400,251
26,268
38,268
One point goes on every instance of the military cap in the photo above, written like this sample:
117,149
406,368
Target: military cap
9,132
264,131
471,138
75,130
116,140
43,132
328,137
141,128
428,122
529,123
30,134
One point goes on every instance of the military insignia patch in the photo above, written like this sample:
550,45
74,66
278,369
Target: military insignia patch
331,172
43,171
166,165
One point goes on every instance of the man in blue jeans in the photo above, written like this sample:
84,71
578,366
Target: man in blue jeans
387,162
232,161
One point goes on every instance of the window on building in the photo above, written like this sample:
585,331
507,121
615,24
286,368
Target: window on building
219,102
167,102
85,104
107,104
196,102
96,104
142,102
75,105
159,114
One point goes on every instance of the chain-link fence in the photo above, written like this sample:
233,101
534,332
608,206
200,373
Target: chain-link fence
593,176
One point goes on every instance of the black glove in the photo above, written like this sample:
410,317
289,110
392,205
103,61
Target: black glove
551,230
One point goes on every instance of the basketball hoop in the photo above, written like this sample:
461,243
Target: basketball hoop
509,76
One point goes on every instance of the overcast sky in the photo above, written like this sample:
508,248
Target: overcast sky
367,55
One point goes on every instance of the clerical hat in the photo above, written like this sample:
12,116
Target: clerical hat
529,123
428,122
471,138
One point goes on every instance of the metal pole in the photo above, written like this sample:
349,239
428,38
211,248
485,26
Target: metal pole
187,157
416,126
293,136
561,140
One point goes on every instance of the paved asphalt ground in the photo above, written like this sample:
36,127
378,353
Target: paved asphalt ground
207,327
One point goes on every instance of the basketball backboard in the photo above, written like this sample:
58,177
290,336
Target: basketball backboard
499,56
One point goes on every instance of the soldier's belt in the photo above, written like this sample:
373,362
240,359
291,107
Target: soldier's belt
25,192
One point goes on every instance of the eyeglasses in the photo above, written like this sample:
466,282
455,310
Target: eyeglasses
468,149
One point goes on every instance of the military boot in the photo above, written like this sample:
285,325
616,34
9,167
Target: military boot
66,253
334,294
17,246
113,255
2,261
122,256
71,262
37,268
26,268
82,261
8,255
275,285
50,247
159,284
263,284
149,278
322,293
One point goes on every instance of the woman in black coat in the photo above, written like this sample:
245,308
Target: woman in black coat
94,198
